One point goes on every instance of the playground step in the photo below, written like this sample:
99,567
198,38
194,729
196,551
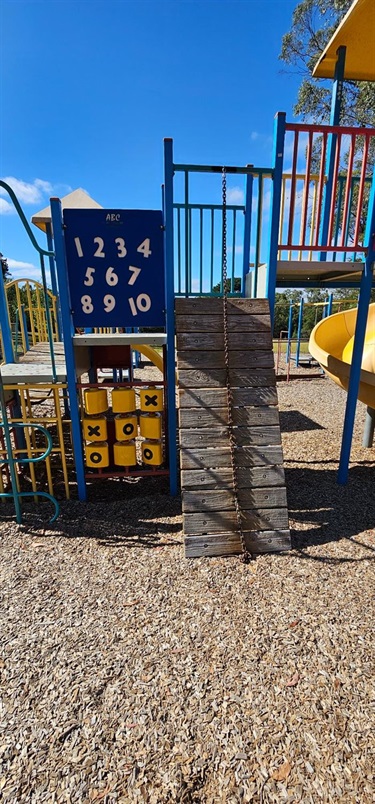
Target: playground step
210,523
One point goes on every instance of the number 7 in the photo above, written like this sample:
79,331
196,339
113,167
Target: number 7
135,271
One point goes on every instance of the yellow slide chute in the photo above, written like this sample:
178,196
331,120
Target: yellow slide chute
152,355
331,344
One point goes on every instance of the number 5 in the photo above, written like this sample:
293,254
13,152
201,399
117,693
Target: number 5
89,276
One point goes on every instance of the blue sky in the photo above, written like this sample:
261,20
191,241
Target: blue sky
90,88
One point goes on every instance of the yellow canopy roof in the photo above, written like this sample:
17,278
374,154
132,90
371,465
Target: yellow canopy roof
357,32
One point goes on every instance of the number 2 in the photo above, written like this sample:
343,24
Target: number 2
99,251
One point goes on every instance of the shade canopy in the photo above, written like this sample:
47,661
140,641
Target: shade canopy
78,199
357,33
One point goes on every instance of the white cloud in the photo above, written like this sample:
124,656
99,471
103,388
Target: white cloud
26,192
235,195
37,192
6,208
254,135
25,270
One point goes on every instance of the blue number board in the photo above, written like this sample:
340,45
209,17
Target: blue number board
115,261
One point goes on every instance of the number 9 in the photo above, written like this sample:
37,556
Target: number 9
109,303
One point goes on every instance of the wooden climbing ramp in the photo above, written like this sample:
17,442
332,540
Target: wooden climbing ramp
209,515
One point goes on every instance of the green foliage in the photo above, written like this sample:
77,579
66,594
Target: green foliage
313,23
228,285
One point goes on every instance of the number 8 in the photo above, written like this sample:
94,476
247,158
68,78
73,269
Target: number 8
87,306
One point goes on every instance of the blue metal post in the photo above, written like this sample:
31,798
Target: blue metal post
170,323
247,230
359,339
6,331
334,120
330,304
299,332
67,331
277,161
52,269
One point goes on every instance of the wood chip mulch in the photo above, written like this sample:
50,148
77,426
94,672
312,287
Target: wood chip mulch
130,674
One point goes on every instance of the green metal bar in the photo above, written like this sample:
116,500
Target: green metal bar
24,221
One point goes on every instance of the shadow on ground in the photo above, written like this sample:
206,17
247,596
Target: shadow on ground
325,512
292,421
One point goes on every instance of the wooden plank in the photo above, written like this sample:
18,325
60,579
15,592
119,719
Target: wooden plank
213,360
214,341
229,543
203,417
212,417
216,398
219,458
218,436
226,521
214,323
203,500
215,378
247,477
214,306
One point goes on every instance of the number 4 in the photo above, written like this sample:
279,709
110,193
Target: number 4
144,248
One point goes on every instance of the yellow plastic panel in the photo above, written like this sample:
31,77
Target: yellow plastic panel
95,428
125,426
150,425
97,455
152,453
95,400
124,453
123,400
151,399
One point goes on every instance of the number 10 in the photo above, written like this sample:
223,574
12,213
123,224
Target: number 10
141,304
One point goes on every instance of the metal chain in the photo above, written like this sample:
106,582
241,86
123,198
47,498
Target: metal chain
232,443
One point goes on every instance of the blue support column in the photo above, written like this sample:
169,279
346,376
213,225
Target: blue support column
330,304
170,322
67,332
359,339
52,269
278,159
334,120
247,231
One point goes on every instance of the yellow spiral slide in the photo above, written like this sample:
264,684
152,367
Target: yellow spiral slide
331,344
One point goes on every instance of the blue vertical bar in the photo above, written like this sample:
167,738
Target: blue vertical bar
4,424
359,339
247,230
330,304
52,269
67,332
278,158
6,331
170,324
187,236
299,332
334,120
